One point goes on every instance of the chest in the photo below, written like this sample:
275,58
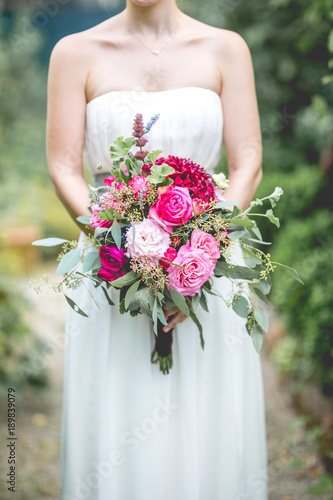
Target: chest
131,65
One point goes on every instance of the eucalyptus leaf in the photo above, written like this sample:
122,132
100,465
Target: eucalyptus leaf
203,302
154,316
143,301
89,260
235,272
131,292
49,242
257,290
127,279
84,219
257,337
293,272
261,318
69,261
97,264
161,317
75,307
225,204
107,296
169,303
251,258
100,230
179,300
240,305
116,233
195,301
245,222
253,240
196,321
236,235
265,285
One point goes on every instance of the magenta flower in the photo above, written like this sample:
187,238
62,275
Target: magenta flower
172,208
169,255
113,260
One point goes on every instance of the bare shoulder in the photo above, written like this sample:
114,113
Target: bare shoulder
230,44
225,44
79,47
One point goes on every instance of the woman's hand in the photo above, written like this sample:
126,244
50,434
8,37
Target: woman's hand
177,317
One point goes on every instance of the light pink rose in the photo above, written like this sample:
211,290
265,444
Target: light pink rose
198,268
199,205
219,194
207,243
169,255
172,208
95,220
148,238
137,183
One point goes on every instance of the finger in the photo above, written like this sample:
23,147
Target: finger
170,312
179,318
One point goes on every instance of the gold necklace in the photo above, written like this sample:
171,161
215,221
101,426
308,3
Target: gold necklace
158,51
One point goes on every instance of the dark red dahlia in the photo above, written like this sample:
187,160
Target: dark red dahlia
190,175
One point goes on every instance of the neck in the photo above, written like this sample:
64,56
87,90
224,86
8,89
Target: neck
157,19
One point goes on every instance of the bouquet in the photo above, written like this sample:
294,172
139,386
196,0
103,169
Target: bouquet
161,232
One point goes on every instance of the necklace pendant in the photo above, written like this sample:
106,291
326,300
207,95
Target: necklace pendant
156,52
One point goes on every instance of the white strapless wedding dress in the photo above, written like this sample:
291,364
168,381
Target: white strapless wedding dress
129,432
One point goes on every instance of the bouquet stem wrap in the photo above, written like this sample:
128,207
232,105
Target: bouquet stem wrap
162,352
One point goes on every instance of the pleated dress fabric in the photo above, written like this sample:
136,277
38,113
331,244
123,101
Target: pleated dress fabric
129,432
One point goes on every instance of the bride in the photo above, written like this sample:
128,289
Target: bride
129,432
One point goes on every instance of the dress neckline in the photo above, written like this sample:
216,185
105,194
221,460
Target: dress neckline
114,92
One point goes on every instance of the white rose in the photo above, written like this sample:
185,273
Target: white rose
220,180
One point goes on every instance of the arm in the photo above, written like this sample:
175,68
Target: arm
65,127
242,135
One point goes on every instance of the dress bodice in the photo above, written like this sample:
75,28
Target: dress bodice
190,124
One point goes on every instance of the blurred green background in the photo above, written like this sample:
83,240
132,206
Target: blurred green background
292,49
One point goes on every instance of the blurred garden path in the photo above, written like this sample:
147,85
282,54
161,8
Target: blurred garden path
293,461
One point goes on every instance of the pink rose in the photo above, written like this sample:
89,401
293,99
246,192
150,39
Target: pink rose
95,220
113,260
198,267
207,243
169,255
137,183
172,208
